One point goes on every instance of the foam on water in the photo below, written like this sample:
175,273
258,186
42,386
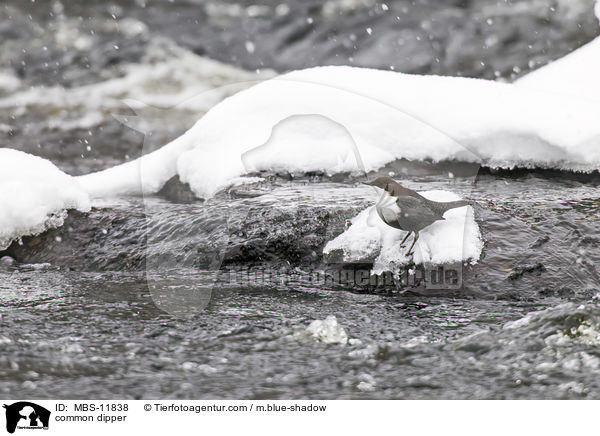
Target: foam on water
170,78
8,82
328,331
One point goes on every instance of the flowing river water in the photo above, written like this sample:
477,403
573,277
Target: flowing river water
80,305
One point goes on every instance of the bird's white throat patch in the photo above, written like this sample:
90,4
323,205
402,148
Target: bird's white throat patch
387,208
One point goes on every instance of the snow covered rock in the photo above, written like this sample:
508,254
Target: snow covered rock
34,195
456,239
386,115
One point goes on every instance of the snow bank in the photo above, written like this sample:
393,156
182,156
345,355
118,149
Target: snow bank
146,175
387,115
577,74
547,119
34,195
455,239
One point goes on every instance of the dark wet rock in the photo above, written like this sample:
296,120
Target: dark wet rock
337,257
540,241
521,270
122,237
590,241
291,234
562,292
104,239
177,192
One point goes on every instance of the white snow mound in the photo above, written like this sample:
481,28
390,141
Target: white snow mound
457,238
576,74
34,195
386,115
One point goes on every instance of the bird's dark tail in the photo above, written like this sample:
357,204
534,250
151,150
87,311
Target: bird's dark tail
444,207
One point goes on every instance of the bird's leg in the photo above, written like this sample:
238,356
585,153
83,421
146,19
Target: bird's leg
405,238
413,243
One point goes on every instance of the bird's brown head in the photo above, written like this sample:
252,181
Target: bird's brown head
384,182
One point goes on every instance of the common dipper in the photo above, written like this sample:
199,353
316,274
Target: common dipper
405,209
